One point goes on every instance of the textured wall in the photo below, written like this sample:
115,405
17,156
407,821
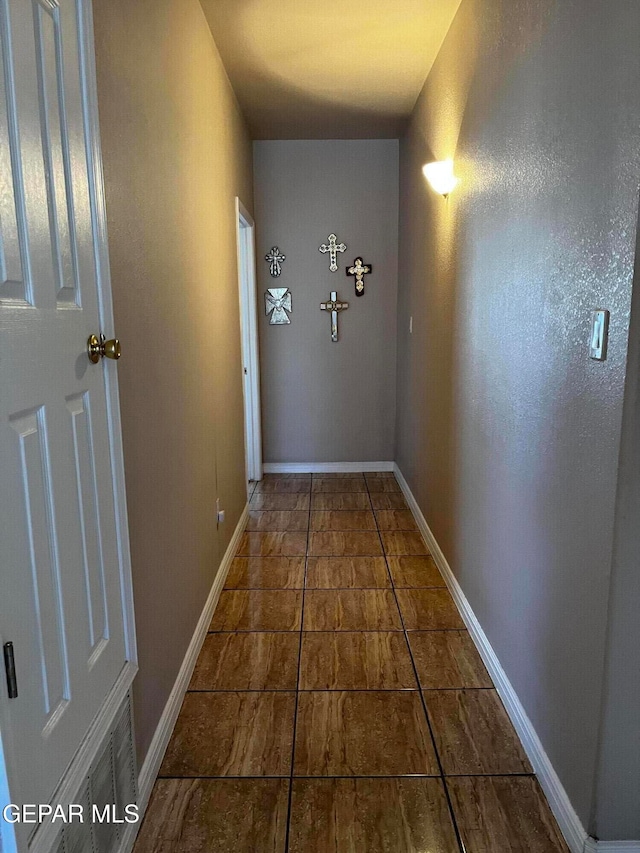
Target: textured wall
324,401
617,809
175,155
507,432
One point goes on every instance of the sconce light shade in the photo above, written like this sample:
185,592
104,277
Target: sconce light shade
440,176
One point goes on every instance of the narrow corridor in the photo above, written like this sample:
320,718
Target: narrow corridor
338,704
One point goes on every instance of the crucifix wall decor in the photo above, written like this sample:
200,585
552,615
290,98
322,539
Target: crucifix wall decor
333,248
334,306
359,270
277,301
275,259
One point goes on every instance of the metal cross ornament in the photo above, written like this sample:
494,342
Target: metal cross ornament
334,306
333,248
275,259
277,301
359,270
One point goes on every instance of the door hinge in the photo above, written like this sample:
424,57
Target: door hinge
10,668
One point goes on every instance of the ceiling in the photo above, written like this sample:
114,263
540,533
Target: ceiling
336,69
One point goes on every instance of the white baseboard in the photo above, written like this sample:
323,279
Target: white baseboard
325,467
570,825
614,847
160,741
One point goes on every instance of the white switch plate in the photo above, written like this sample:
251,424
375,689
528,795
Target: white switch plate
411,325
599,334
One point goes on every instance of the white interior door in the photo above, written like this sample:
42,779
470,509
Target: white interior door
65,586
249,334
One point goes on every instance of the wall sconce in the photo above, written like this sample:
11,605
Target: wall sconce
440,176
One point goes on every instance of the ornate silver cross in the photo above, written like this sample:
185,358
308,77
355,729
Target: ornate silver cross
277,301
359,270
334,306
275,258
332,248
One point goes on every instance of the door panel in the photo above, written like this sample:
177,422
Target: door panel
15,286
62,606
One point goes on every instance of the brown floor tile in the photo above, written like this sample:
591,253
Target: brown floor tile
279,502
272,545
375,475
232,734
383,484
347,572
362,734
339,475
340,520
447,660
247,661
370,816
504,815
428,610
388,500
347,484
351,501
258,610
396,519
266,573
403,544
225,815
285,487
350,610
356,661
473,733
286,477
277,520
415,572
337,543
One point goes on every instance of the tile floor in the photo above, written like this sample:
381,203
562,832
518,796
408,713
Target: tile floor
338,705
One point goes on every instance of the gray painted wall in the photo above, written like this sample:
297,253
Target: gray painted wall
617,808
324,401
507,432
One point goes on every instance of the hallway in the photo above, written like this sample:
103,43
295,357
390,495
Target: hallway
338,703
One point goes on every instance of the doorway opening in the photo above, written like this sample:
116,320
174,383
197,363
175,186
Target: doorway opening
249,336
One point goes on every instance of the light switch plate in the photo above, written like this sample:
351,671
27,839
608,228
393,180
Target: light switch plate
599,334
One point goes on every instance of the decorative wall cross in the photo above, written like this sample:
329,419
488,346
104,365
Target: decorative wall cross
275,258
277,301
334,306
332,248
359,270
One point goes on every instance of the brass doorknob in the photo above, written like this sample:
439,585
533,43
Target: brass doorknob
98,348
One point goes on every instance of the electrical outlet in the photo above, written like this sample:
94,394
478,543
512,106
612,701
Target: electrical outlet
411,325
219,512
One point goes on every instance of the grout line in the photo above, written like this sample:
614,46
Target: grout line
295,711
343,689
325,589
369,776
422,700
408,631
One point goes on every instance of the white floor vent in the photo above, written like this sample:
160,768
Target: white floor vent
111,781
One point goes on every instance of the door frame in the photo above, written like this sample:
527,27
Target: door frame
247,291
13,837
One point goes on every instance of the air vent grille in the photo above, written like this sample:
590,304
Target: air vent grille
111,781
